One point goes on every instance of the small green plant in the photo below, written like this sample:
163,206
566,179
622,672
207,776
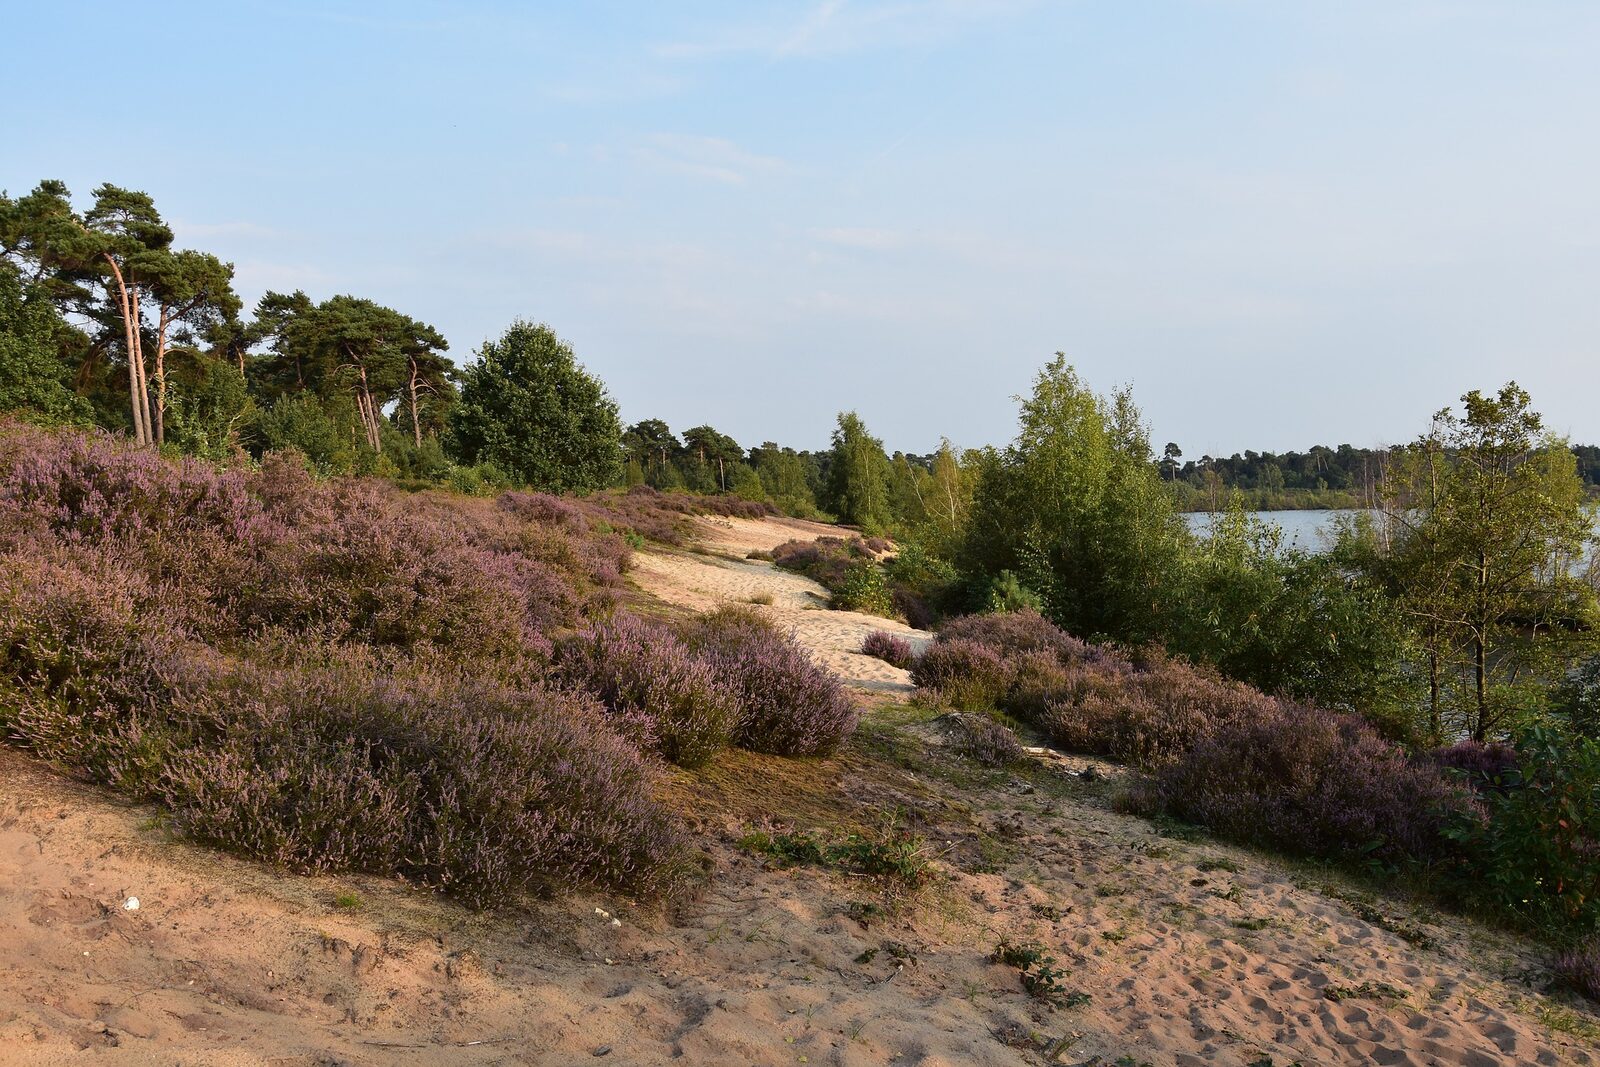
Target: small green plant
347,901
1252,924
759,598
1040,976
1364,991
1215,863
867,956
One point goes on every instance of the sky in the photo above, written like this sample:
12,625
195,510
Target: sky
1280,223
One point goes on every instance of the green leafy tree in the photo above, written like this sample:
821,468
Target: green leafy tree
1484,521
1075,507
32,377
530,409
858,488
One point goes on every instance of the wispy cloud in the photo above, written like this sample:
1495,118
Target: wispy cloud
710,158
836,26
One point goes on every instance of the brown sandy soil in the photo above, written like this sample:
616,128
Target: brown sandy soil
1190,952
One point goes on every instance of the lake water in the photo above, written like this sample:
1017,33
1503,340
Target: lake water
1309,530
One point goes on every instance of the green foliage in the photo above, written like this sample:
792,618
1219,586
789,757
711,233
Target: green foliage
1007,593
302,422
206,414
858,489
529,408
33,380
1483,521
1291,622
1076,508
894,854
1040,976
1531,855
864,588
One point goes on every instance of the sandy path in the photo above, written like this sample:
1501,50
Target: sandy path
701,582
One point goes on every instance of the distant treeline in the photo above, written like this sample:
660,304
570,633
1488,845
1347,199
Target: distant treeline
1320,477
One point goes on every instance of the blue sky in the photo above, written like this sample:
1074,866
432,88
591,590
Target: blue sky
1281,223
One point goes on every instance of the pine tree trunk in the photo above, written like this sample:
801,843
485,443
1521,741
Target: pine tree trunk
416,427
140,434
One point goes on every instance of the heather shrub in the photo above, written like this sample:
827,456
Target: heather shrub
984,741
1018,632
966,674
467,788
1482,766
788,705
1532,854
895,651
1578,968
351,762
1309,783
660,695
826,560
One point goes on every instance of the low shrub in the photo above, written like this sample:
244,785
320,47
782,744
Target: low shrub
1482,766
984,741
348,762
1309,783
864,588
826,560
964,673
1578,968
895,651
660,695
1533,853
788,705
1018,632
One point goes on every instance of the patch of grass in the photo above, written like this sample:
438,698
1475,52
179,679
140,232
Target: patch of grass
895,855
1116,937
1048,911
867,956
1217,863
1364,991
348,901
1252,924
759,598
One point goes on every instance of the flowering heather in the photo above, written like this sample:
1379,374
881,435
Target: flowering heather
1483,766
1579,969
968,675
826,560
285,663
1014,633
788,706
895,651
659,693
1309,782
984,741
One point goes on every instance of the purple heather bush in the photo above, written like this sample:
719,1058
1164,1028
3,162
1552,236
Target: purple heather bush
660,694
826,560
1309,782
984,741
1578,968
788,705
895,651
964,673
334,674
1482,766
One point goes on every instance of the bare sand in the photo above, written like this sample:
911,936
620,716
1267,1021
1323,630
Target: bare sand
720,574
1189,952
